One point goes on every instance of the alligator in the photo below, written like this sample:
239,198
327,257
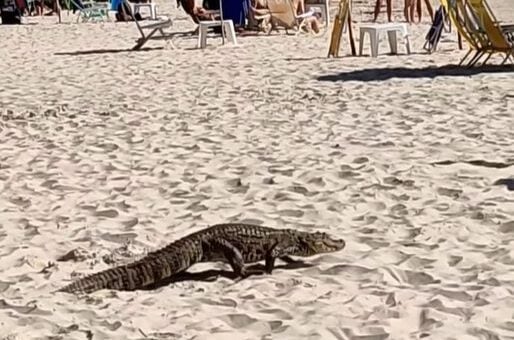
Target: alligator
234,243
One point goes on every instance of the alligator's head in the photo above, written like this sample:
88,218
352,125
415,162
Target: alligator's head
309,244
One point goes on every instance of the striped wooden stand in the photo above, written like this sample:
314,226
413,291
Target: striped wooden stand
343,18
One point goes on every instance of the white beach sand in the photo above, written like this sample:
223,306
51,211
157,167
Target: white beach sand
116,153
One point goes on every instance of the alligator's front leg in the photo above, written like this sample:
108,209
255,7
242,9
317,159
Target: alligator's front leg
233,256
278,251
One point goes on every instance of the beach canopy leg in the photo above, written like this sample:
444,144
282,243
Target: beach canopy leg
342,20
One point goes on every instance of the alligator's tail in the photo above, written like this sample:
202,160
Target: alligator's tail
152,269
132,276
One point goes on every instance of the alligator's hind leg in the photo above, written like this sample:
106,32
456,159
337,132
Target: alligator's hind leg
233,256
235,259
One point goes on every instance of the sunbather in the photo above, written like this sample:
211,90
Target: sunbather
311,21
267,22
256,16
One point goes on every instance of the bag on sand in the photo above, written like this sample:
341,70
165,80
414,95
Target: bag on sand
10,13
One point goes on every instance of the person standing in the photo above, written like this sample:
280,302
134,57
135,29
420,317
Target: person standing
389,6
420,10
409,10
415,6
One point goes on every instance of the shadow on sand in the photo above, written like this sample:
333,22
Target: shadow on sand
214,274
381,74
107,51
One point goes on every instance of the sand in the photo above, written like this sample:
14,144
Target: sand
111,154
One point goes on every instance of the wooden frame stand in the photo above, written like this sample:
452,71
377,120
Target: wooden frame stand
343,18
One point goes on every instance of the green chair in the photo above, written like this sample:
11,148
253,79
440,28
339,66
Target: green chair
90,10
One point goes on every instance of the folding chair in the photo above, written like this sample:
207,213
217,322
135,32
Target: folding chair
434,34
156,30
457,13
90,10
283,13
496,37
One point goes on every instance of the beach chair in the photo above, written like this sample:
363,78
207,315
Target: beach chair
456,10
91,11
436,30
153,31
476,24
498,36
282,13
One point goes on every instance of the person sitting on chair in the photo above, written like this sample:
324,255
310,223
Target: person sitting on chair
311,21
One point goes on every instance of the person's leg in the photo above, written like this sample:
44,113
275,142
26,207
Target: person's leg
419,10
309,25
378,5
430,9
406,8
314,23
299,6
389,10
39,7
412,10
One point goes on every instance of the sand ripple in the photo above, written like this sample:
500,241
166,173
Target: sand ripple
106,156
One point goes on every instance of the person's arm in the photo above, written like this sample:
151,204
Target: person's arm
298,6
301,7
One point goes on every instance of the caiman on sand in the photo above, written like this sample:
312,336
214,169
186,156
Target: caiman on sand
237,244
